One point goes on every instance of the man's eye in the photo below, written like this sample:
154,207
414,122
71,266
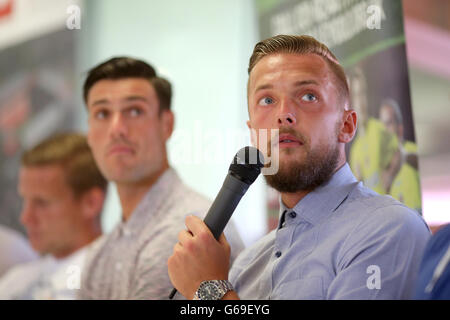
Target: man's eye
101,114
309,97
42,203
134,112
265,101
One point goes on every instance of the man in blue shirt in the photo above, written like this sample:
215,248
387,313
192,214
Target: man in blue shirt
336,239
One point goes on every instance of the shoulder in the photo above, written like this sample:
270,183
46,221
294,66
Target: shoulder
381,217
183,200
24,271
369,204
158,238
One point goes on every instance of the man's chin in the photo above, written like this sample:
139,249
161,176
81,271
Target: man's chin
118,174
283,181
38,247
303,173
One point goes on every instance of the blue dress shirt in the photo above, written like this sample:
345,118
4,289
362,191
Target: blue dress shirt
341,241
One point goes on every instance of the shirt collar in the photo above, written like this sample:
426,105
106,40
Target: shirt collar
322,201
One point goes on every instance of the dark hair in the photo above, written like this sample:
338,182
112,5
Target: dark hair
72,152
126,67
301,44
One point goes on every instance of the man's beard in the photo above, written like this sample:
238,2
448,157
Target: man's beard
317,168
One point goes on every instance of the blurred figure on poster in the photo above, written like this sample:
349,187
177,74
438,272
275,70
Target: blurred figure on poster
375,155
14,249
63,193
406,184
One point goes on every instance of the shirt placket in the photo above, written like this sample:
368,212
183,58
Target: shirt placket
282,242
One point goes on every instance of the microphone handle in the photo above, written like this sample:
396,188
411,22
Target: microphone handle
223,207
224,204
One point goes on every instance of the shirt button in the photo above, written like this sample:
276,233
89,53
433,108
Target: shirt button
292,214
118,266
278,254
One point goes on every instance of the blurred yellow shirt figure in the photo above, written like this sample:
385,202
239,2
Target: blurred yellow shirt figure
371,153
406,185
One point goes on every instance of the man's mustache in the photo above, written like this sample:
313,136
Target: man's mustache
273,141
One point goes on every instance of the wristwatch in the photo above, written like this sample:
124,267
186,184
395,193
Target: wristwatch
212,289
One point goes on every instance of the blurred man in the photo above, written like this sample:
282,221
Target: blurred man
375,155
406,183
336,239
130,122
63,193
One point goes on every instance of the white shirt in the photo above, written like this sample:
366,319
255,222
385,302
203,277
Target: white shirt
47,278
14,249
132,262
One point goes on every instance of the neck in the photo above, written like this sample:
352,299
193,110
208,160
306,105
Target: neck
291,199
84,237
130,194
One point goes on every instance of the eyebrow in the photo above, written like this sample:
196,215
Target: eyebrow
305,82
127,99
296,84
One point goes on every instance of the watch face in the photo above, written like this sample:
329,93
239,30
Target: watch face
209,290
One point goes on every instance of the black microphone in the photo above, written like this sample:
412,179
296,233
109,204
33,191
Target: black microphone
243,171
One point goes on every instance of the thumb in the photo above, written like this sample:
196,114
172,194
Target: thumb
224,242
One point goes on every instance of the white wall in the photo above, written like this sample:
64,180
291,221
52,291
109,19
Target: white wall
203,48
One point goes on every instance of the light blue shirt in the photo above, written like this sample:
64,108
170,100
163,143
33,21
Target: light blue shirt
341,241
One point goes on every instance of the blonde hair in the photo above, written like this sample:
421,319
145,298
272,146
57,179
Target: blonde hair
71,151
301,44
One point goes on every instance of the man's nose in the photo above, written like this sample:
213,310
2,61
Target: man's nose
118,126
286,115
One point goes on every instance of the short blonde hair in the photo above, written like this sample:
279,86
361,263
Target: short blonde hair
301,44
71,151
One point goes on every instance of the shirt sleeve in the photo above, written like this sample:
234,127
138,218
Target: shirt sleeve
380,258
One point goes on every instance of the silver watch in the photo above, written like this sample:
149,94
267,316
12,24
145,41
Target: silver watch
212,289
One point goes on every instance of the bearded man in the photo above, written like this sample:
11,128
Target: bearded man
336,239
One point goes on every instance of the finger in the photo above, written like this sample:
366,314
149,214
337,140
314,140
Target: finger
222,239
224,242
177,247
196,225
183,236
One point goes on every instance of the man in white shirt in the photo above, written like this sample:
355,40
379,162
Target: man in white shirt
130,122
63,193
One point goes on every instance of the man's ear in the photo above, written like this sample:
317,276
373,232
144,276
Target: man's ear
168,121
348,127
92,203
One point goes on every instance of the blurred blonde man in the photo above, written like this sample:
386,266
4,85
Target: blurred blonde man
63,193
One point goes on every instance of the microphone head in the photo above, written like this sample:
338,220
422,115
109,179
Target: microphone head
247,164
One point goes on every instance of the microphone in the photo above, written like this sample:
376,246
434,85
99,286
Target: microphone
243,171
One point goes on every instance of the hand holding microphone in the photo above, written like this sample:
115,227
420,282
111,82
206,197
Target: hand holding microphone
198,256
